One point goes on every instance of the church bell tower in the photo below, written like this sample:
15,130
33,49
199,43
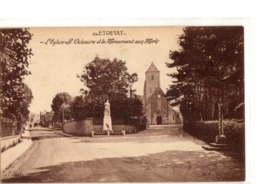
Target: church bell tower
152,81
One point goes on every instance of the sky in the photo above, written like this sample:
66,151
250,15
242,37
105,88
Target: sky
54,67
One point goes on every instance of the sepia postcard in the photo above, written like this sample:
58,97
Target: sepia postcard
123,104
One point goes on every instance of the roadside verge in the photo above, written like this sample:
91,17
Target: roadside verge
10,155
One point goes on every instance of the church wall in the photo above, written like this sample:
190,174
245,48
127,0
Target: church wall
157,108
161,108
149,113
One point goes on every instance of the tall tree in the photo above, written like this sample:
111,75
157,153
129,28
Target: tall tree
210,71
21,112
14,62
106,79
61,102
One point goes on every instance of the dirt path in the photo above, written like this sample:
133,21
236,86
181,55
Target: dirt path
160,154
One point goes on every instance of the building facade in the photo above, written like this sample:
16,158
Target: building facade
156,107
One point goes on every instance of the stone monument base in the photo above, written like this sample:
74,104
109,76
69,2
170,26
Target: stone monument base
219,145
221,139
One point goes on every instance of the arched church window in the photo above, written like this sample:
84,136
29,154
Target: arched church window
152,77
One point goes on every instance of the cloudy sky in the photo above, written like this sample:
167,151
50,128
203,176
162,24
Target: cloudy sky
54,67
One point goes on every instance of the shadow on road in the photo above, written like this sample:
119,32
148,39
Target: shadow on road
168,166
39,133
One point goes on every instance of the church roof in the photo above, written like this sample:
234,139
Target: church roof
158,91
152,68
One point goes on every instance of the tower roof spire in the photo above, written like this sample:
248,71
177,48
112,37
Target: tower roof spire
152,68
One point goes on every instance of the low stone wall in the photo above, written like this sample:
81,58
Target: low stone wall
83,127
7,142
98,129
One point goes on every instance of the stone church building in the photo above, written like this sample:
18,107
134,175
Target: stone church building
156,107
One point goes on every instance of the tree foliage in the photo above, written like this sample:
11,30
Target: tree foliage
61,102
25,98
81,108
106,79
123,108
14,61
210,71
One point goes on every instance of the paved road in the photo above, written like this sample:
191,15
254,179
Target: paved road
159,154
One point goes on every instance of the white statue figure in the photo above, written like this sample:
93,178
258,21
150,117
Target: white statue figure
107,122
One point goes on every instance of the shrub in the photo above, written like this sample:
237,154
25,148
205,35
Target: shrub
80,108
235,133
207,131
124,111
121,108
126,108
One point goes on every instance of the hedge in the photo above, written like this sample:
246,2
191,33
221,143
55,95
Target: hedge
207,131
139,122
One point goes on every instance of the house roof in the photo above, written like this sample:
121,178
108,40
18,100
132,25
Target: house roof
152,68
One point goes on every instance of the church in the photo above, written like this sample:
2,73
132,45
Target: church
156,107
